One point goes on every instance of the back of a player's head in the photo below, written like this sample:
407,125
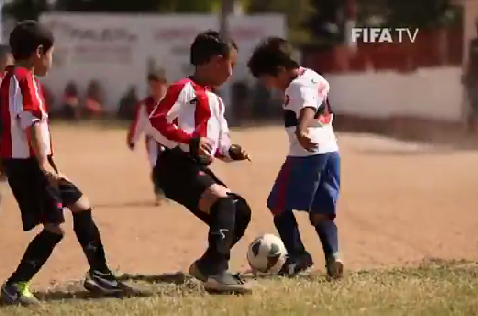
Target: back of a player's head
208,44
157,76
27,37
269,55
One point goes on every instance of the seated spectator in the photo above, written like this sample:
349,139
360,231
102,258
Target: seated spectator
94,98
71,101
127,105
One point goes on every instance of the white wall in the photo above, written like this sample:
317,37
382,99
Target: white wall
432,93
115,48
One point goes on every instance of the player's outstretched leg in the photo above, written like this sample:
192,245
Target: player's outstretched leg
16,289
323,213
298,259
99,278
158,192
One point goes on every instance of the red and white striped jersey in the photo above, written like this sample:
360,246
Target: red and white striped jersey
21,105
190,110
139,126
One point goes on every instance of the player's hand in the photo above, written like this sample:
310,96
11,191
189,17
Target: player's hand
236,152
201,148
306,142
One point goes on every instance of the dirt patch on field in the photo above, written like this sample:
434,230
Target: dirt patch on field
400,203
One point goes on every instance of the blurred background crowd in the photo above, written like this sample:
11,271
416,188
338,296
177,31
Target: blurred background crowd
106,49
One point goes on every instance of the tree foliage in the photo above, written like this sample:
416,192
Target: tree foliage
296,11
25,9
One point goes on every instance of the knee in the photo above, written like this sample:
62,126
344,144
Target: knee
81,205
243,210
213,195
316,219
56,229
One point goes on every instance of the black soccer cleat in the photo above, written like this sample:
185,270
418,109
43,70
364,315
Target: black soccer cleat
18,294
220,283
107,284
297,264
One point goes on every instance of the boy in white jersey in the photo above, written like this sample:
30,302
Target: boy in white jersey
309,180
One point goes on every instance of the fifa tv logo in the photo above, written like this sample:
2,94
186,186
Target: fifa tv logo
383,35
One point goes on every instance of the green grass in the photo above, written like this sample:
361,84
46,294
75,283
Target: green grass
432,289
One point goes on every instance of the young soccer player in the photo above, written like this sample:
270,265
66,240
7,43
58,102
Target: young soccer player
39,188
157,85
309,180
190,122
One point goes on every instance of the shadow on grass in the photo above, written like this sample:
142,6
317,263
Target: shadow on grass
167,284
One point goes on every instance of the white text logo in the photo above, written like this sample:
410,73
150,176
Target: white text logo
383,35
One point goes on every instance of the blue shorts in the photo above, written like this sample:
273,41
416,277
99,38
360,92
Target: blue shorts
310,183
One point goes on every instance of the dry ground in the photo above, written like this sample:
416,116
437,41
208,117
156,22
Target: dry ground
401,203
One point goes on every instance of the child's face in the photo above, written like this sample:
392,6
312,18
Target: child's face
280,82
222,67
43,61
157,88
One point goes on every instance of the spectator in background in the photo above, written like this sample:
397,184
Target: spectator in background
470,81
71,101
94,100
157,87
127,104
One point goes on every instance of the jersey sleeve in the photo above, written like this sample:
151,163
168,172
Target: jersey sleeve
29,111
310,95
162,119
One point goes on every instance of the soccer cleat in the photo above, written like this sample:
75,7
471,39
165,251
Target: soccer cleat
295,265
107,284
220,283
18,294
334,268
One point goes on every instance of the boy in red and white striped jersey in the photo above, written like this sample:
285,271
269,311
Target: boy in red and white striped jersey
157,85
190,122
40,190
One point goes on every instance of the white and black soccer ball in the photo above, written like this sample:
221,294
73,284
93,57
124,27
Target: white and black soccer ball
267,254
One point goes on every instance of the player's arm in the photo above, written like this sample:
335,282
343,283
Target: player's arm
162,126
228,152
30,117
137,126
162,119
307,100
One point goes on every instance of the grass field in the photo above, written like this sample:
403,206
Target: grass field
432,289
406,214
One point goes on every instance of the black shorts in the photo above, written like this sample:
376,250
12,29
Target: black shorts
184,180
38,200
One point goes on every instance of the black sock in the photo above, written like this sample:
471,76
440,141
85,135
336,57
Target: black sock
37,253
88,236
221,233
288,230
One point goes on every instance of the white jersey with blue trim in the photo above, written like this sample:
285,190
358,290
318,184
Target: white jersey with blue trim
309,89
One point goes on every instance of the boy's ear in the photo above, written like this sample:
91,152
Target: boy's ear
40,50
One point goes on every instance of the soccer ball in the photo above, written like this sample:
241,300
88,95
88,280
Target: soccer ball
266,254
